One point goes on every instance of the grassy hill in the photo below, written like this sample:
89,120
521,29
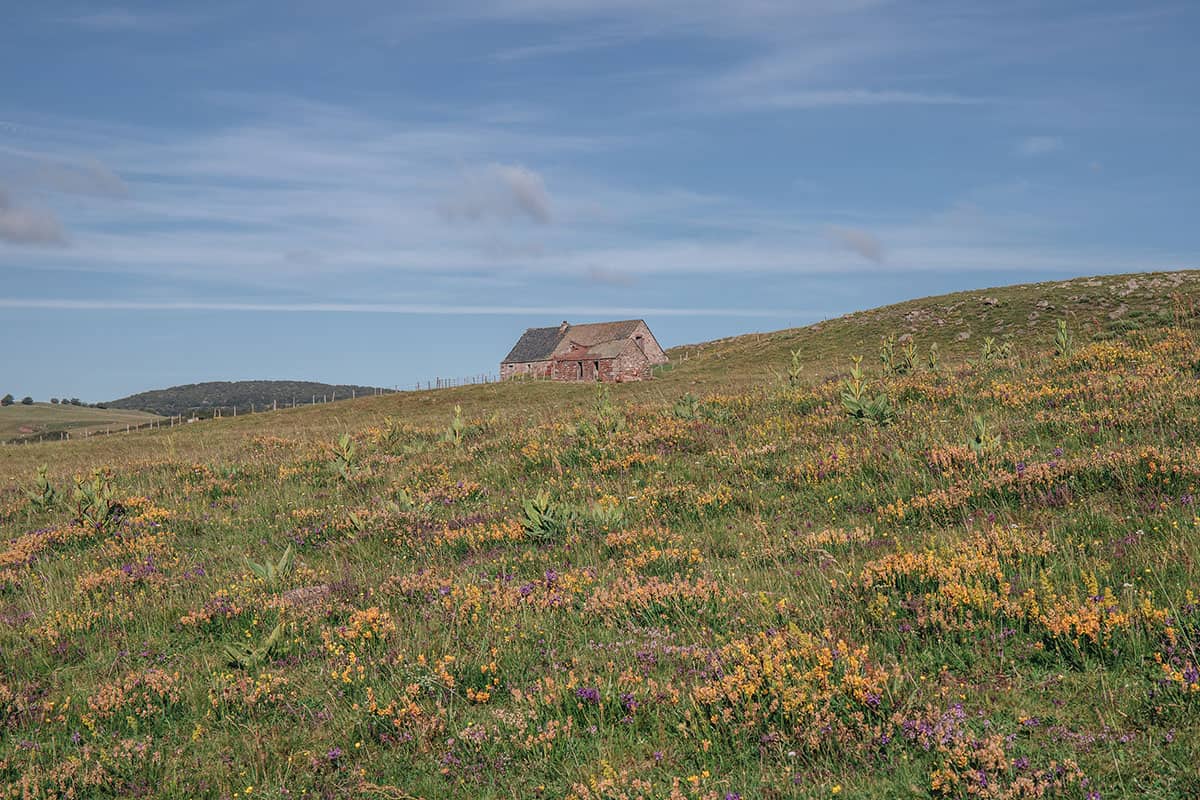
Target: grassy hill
19,423
716,584
205,398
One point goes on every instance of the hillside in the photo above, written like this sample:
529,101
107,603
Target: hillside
203,398
978,580
21,423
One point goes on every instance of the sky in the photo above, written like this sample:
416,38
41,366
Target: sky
384,192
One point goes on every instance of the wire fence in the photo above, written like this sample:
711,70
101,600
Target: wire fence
202,413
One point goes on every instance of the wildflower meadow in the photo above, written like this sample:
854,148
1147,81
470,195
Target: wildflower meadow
911,574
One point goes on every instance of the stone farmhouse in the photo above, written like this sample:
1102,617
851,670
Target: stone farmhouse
600,351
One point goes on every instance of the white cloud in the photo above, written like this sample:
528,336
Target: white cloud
859,241
504,191
28,225
1033,146
607,276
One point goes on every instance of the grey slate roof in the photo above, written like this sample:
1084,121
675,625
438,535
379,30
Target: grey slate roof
539,344
536,344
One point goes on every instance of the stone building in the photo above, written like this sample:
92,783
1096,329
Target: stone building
600,351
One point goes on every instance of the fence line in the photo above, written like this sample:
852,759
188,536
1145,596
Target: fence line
222,412
451,383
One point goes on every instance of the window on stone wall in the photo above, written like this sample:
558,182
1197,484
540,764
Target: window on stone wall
596,369
579,364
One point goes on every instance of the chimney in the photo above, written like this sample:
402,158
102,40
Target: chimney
563,328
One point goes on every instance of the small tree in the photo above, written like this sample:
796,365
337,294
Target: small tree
54,401
7,400
26,401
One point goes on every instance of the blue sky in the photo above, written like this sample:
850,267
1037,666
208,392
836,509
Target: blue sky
379,192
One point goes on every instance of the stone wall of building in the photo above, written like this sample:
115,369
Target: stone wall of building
583,369
649,345
632,364
528,369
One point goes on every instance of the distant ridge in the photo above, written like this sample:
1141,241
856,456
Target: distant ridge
206,398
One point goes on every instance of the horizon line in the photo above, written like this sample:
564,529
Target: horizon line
61,304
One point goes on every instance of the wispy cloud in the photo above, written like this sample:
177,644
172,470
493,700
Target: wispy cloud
1033,146
834,98
31,226
58,304
859,241
115,20
86,177
504,191
607,276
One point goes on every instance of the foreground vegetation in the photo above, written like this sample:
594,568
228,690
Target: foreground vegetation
930,577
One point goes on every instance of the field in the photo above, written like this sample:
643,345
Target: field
755,576
19,422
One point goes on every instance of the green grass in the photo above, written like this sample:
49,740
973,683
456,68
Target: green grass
746,594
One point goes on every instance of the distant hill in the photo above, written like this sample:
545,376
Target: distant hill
204,399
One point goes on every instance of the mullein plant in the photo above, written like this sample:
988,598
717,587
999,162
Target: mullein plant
860,404
1064,342
95,502
795,373
43,496
456,433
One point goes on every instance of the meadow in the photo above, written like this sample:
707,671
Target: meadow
20,422
969,570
